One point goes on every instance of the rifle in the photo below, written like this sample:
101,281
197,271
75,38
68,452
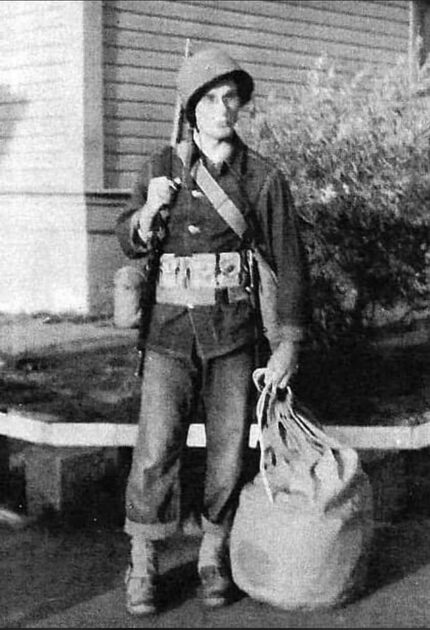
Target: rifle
175,138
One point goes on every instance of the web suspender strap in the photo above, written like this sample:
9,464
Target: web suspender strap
213,191
219,199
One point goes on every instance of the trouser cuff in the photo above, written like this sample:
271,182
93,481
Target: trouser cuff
150,531
217,530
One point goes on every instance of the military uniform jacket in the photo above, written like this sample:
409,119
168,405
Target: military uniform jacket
259,189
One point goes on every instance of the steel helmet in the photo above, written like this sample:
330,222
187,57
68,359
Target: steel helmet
202,71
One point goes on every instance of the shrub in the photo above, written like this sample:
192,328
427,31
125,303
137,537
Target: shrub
356,154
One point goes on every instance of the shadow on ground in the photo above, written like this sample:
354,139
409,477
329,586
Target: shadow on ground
55,563
398,550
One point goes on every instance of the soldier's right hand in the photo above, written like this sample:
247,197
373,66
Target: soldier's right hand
161,192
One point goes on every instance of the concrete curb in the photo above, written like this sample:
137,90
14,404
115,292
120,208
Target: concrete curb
49,430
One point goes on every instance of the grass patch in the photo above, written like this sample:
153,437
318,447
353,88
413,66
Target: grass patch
86,386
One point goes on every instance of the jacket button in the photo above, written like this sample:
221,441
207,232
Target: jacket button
193,229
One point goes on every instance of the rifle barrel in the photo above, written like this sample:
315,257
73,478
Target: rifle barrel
178,114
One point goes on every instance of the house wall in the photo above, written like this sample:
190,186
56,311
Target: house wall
40,58
105,256
42,206
277,42
87,91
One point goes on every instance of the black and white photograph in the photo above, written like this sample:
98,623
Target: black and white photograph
215,314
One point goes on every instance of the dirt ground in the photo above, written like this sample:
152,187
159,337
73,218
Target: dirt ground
71,575
84,386
51,565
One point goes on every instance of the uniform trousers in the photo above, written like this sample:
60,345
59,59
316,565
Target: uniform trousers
171,388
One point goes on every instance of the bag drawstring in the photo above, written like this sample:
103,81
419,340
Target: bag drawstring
264,402
266,411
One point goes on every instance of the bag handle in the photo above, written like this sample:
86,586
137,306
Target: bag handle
265,403
313,431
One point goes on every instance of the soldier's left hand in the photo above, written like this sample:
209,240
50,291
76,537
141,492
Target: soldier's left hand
282,365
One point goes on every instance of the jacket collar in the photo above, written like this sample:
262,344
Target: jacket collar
236,162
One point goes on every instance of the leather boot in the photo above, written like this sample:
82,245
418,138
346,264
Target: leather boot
214,572
141,578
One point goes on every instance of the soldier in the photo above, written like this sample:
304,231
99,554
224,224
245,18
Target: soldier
203,327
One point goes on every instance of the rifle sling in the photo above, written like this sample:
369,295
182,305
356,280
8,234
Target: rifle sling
216,195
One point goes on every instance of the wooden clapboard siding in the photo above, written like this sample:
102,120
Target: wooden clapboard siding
276,41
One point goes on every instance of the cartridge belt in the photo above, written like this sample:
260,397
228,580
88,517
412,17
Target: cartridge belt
203,279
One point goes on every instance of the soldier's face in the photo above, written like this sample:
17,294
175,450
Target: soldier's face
217,111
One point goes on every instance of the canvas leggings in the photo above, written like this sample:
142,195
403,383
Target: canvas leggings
170,387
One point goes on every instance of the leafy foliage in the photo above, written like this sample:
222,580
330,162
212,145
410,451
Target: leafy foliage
356,153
